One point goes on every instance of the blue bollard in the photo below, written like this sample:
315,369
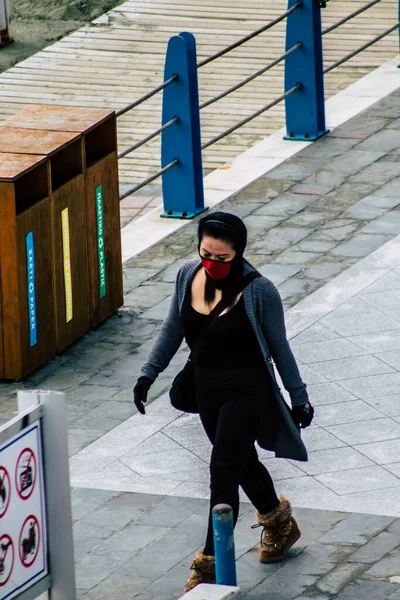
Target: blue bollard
182,185
398,18
305,109
224,545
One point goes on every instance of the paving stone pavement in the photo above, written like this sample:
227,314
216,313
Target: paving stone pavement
141,546
312,221
346,337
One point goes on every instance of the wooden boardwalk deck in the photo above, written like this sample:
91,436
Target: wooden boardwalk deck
114,61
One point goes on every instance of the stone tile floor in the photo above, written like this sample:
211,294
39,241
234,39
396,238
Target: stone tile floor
354,442
311,222
141,546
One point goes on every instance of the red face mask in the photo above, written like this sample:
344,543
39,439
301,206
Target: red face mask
216,269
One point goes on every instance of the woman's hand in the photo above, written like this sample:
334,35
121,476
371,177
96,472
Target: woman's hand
140,393
303,415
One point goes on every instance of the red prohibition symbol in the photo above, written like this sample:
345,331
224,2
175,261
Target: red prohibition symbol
5,491
25,473
29,541
7,557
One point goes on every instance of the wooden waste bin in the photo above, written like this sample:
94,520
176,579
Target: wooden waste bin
68,215
26,285
99,139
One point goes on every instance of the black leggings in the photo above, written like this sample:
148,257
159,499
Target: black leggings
230,415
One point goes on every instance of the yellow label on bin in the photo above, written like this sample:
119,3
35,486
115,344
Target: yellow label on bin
67,265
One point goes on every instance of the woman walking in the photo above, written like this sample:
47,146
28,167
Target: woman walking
236,392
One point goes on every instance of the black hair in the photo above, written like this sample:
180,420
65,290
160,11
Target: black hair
230,229
224,226
218,233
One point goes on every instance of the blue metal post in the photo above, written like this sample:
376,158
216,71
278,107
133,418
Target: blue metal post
398,19
305,109
224,545
183,191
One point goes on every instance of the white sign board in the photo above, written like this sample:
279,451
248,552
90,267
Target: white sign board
23,534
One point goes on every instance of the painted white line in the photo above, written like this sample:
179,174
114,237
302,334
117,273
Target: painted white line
230,179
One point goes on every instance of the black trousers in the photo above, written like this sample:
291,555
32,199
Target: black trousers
231,413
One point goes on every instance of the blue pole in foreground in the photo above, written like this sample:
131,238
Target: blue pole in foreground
224,545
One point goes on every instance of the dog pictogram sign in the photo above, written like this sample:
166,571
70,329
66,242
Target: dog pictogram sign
7,556
5,491
25,473
29,541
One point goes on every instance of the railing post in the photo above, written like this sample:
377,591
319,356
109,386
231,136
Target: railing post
224,545
305,110
5,17
398,31
183,191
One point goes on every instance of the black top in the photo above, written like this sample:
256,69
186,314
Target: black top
230,346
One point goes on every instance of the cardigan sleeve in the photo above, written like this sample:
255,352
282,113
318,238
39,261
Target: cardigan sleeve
273,326
167,342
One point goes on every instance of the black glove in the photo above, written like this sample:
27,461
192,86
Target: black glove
303,415
140,393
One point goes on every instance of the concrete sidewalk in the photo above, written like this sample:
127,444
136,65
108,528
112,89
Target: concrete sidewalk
141,483
141,546
346,337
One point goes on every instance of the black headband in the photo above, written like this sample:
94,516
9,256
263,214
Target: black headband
229,223
221,224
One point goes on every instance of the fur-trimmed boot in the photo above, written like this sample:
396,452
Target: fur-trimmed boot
280,532
203,568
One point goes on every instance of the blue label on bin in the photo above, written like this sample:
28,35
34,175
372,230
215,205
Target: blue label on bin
30,264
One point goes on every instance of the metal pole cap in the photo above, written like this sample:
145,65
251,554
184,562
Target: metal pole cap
221,509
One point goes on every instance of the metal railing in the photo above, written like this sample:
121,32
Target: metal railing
364,46
259,112
150,179
5,17
151,136
198,205
175,120
147,96
251,35
251,77
181,153
349,17
281,98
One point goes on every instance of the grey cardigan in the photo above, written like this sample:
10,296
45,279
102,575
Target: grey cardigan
265,312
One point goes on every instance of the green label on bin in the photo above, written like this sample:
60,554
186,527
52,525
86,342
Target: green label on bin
100,241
